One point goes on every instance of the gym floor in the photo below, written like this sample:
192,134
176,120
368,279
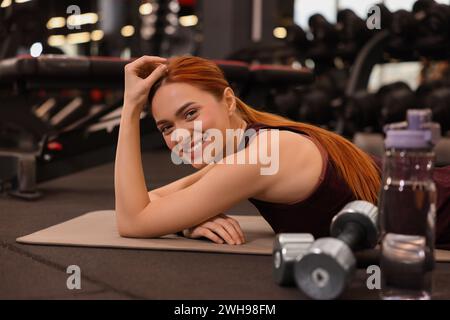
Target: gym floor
39,272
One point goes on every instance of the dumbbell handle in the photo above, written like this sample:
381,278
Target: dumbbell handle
352,234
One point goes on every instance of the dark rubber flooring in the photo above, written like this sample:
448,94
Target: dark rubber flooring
39,272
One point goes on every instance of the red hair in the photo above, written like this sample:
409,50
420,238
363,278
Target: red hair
355,166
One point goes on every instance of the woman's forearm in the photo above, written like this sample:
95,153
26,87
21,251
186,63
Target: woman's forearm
129,180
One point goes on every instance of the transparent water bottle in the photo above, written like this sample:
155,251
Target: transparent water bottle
407,207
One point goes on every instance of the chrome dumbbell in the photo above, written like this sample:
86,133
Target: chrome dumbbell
326,269
287,248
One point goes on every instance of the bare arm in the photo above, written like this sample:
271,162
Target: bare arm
129,182
179,184
219,189
219,229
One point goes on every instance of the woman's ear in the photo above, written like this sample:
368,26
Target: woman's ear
230,100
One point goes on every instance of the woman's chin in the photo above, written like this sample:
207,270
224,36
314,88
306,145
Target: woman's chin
199,163
198,166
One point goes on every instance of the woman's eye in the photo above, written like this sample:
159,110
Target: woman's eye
190,114
165,130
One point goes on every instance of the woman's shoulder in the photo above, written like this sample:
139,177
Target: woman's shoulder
296,164
289,140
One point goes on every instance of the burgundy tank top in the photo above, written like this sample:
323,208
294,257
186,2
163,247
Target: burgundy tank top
314,214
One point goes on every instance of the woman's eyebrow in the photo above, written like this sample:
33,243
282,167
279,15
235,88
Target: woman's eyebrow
178,112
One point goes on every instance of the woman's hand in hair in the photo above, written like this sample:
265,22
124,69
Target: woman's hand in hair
140,75
219,229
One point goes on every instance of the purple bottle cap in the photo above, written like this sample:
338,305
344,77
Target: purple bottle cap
418,132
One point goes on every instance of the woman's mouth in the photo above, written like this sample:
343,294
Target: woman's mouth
196,145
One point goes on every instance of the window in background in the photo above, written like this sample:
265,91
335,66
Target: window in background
382,74
360,7
394,5
303,9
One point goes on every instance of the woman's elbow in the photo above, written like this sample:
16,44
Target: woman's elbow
125,227
126,231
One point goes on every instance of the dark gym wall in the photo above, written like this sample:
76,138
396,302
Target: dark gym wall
270,13
227,25
113,19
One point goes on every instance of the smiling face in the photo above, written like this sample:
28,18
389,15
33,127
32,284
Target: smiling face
178,105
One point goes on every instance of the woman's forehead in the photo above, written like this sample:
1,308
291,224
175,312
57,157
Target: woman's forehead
179,91
170,97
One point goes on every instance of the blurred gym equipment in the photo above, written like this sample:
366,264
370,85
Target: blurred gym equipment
63,113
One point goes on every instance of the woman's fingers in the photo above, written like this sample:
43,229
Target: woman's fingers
231,229
144,66
220,230
146,60
156,74
237,227
140,75
204,232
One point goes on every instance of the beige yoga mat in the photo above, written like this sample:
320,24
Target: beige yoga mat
98,229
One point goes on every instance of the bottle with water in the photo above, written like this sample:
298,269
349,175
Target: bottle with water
407,207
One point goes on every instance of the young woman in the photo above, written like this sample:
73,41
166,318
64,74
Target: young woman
318,173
